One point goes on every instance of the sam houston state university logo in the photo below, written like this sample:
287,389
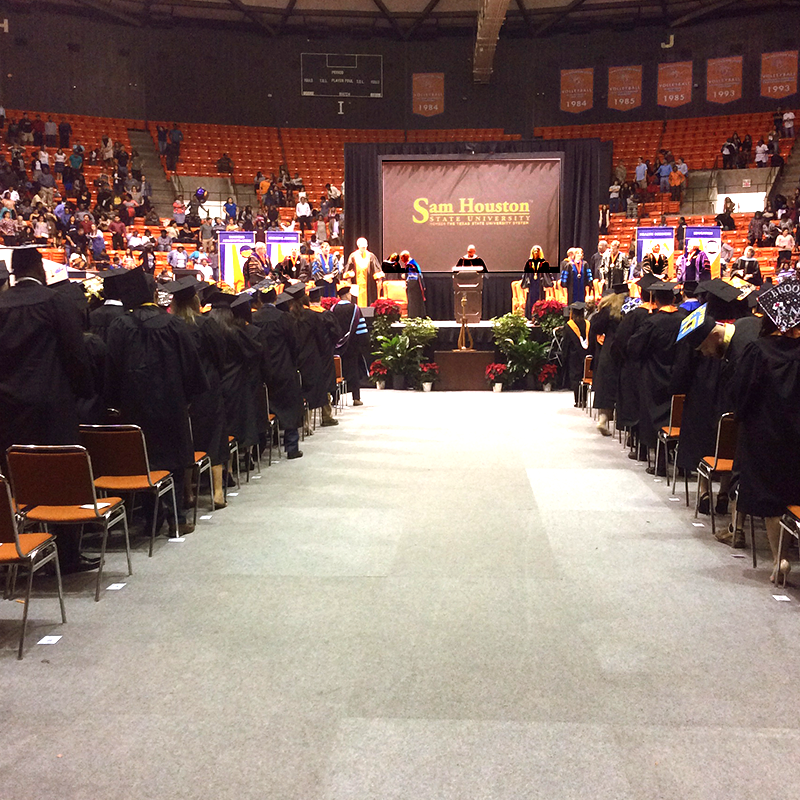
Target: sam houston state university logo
468,211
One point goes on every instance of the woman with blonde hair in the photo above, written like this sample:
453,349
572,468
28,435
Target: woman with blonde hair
606,364
536,278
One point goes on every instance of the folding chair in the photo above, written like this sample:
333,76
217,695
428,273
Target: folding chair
341,383
586,384
233,452
30,550
273,430
202,463
670,434
54,485
119,453
718,464
790,523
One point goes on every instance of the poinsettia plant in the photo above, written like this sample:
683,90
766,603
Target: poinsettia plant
547,374
328,302
378,371
429,371
497,373
548,314
387,312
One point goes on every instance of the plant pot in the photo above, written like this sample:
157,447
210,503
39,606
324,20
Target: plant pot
380,384
548,387
427,386
398,381
497,387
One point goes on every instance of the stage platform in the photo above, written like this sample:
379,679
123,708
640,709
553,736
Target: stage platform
448,331
496,294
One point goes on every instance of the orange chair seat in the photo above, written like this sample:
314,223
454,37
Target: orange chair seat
27,543
272,417
129,483
671,431
199,454
588,381
56,514
723,465
794,511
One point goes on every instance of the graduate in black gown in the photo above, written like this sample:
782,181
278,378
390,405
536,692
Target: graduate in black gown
766,388
354,341
275,333
100,318
575,346
654,346
605,358
153,373
471,259
207,411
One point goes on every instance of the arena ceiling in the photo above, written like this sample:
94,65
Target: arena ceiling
406,19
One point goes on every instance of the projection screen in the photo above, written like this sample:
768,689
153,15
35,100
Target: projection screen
436,207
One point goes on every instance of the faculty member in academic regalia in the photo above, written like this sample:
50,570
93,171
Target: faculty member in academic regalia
326,270
354,341
257,267
415,285
153,373
472,259
535,276
295,268
576,277
364,269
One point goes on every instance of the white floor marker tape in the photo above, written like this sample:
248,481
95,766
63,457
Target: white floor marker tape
115,587
54,639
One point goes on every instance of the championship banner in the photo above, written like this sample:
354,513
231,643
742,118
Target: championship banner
710,241
577,90
427,93
280,244
624,88
659,242
724,79
675,84
235,247
779,74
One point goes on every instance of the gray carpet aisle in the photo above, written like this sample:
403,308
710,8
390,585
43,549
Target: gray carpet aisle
452,596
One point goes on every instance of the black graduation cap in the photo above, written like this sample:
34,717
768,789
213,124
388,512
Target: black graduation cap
282,301
315,294
344,288
720,289
295,290
781,304
207,291
620,288
185,288
578,306
264,286
241,307
222,300
131,287
662,286
24,258
646,281
72,292
695,328
690,288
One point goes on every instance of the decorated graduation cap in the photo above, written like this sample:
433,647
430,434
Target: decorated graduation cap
184,288
130,286
781,304
264,286
241,307
696,327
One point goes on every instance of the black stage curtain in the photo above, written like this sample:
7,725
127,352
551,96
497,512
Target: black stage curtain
585,174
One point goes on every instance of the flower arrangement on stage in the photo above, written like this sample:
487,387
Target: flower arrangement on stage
420,330
524,356
328,302
378,371
548,314
547,374
497,373
387,312
429,371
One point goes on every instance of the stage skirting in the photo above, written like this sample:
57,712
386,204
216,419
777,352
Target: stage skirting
496,294
447,334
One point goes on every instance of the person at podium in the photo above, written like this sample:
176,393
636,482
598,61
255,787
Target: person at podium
470,259
364,267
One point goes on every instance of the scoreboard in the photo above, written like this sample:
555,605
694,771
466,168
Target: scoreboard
341,75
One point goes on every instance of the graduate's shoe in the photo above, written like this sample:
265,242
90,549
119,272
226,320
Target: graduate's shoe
329,423
358,402
779,573
185,527
81,564
661,471
294,454
721,506
735,538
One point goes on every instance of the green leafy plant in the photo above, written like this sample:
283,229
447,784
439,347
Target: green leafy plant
399,356
509,330
420,330
526,357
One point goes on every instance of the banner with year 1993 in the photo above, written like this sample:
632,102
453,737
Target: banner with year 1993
779,74
724,79
577,90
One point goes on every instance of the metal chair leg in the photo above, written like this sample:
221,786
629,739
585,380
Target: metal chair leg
711,503
675,466
103,543
25,611
59,585
753,539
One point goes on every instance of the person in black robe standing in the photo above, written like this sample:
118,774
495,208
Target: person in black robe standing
153,373
472,259
654,346
575,347
605,361
534,275
354,341
206,412
766,388
100,318
44,366
275,333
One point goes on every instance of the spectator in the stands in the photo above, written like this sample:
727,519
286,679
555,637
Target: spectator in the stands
26,129
747,267
176,138
47,185
38,131
118,233
613,196
321,229
225,164
177,258
745,150
784,241
207,232
231,209
247,219
161,138
774,141
676,182
303,213
762,154
664,171
164,242
171,156
273,218
334,195
729,152
76,160
64,133
776,160
788,123
185,234
179,210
